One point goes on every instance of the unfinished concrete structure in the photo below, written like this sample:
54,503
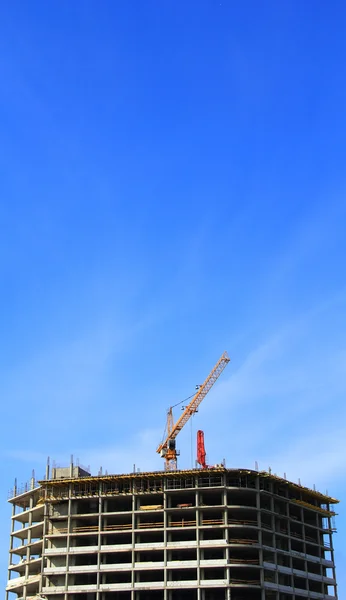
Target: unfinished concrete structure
214,534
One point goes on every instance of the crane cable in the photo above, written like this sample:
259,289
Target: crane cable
174,405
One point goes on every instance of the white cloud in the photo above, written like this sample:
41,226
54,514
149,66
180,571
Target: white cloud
139,450
280,407
315,459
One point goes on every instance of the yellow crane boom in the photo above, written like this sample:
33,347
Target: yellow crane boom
168,448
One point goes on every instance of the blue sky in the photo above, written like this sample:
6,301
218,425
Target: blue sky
172,186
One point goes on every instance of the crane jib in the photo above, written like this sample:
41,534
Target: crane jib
195,402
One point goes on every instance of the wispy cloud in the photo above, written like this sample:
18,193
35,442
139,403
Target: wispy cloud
67,371
317,458
273,407
138,451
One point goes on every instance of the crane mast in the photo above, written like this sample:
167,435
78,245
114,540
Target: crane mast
168,448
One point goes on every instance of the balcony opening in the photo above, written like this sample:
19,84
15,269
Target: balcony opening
182,535
213,553
144,595
150,521
280,507
267,539
244,556
312,535
190,594
241,498
243,537
266,521
184,501
300,583
266,502
316,586
149,557
83,579
295,512
116,577
211,518
298,564
296,530
182,575
214,594
269,556
83,540
151,575
116,558
85,507
246,594
183,517
149,537
284,579
120,538
311,518
83,559
297,546
212,573
120,522
314,567
312,550
143,503
182,554
248,576
56,543
117,504
212,534
269,595
269,576
211,498
283,560
281,526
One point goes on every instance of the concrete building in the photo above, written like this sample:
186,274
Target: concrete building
214,534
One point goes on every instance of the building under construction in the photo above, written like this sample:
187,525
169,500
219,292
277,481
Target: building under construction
202,534
205,534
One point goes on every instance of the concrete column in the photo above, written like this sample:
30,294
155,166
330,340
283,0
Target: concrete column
45,531
165,524
332,552
99,541
260,536
105,522
227,570
10,558
68,539
304,548
133,538
263,593
198,548
29,538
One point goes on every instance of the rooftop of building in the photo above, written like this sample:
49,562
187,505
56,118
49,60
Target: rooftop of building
64,476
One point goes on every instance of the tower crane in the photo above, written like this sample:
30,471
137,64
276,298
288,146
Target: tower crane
167,449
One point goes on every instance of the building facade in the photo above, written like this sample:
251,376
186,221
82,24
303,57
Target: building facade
214,534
